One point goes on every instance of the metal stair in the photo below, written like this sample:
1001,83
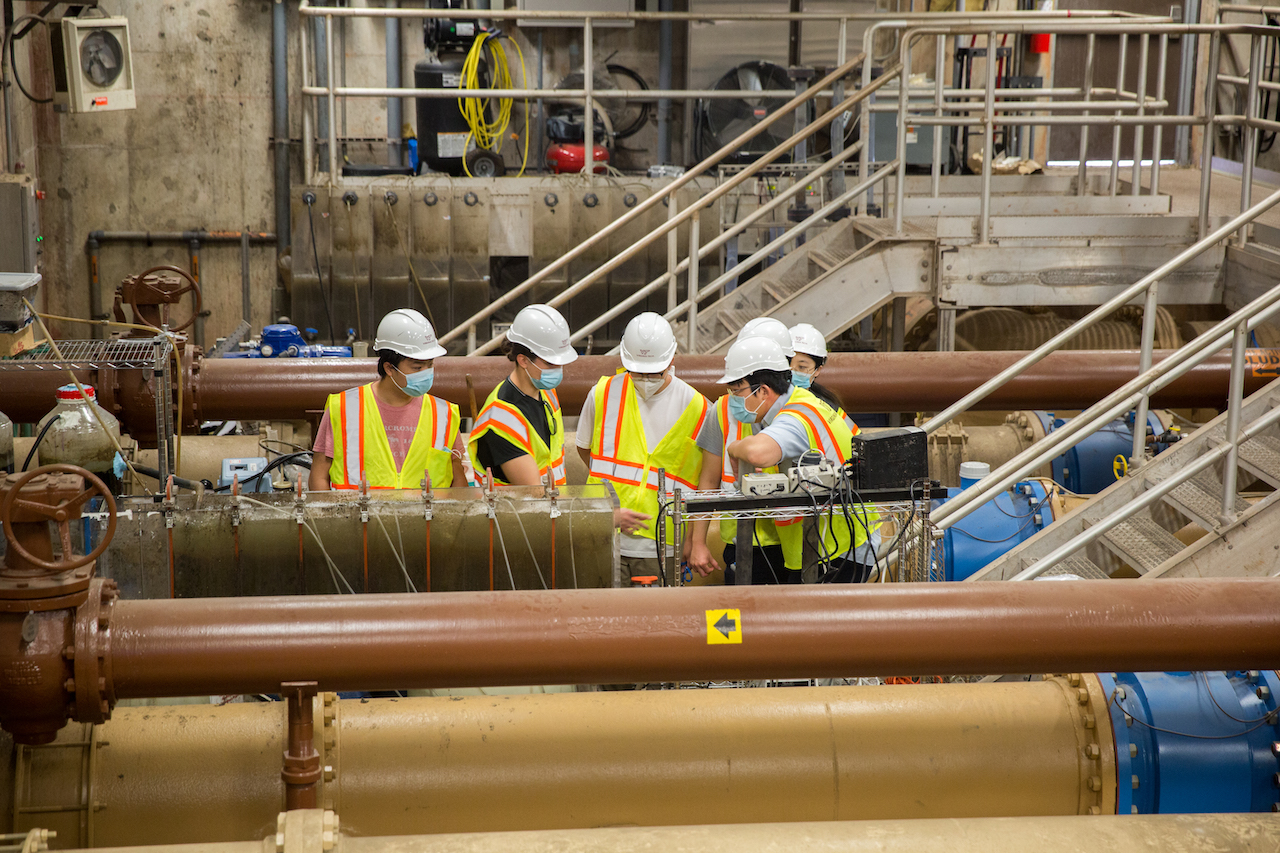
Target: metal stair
1145,544
832,281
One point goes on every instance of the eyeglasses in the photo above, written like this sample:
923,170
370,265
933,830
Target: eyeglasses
744,392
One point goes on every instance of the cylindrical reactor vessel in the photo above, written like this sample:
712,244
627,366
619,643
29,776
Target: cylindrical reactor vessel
490,763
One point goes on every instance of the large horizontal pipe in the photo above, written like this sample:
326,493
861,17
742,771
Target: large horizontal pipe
231,389
291,388
1201,833
617,758
607,636
199,235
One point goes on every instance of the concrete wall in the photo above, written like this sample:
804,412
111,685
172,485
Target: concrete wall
195,153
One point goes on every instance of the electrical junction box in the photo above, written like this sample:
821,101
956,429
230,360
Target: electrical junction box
889,458
93,65
19,225
243,469
765,485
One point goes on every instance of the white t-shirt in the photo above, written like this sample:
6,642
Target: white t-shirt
658,414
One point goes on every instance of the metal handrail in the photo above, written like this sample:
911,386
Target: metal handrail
1097,529
689,213
1122,399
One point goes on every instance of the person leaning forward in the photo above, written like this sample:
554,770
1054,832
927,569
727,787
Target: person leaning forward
392,432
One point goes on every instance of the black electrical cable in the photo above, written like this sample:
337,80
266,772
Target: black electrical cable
1154,728
315,253
39,438
9,40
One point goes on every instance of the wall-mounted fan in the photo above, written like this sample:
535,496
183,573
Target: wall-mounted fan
97,65
721,120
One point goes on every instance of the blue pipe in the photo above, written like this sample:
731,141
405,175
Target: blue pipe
1090,466
1190,742
1007,520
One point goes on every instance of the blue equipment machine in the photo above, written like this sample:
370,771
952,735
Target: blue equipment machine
1090,466
1087,467
283,340
1194,741
1012,517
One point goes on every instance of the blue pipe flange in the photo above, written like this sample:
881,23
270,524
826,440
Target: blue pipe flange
1189,742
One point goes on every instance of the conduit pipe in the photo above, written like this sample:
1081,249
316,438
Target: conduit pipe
262,389
570,760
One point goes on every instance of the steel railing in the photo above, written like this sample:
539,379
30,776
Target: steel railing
1135,395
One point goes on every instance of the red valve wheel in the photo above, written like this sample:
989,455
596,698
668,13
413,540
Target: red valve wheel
62,514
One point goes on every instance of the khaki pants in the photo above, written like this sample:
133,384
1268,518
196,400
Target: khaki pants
634,567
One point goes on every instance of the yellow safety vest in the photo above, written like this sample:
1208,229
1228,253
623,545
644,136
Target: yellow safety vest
830,435
732,429
361,450
510,423
620,453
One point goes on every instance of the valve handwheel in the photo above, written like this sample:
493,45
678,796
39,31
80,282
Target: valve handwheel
63,515
172,297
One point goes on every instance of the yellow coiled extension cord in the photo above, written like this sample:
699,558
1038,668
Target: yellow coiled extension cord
485,132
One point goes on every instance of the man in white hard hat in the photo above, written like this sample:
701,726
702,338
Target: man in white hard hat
717,473
391,433
638,421
758,378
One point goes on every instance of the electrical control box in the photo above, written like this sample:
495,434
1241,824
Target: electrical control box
242,470
889,459
765,485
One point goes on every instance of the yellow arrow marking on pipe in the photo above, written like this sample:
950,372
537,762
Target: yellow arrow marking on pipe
724,626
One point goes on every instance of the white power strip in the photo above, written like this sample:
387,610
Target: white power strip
765,485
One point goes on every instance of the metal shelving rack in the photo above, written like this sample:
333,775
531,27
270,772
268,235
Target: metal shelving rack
118,354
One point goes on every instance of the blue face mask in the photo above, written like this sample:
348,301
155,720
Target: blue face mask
738,408
801,380
548,379
418,384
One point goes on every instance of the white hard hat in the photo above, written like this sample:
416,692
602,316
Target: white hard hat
771,328
648,344
748,355
808,340
407,332
544,331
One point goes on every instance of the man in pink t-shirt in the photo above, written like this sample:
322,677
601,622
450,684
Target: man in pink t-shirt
407,348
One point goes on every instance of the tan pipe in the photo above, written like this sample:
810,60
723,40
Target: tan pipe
560,761
1201,833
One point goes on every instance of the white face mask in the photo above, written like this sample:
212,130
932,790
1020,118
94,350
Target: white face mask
646,387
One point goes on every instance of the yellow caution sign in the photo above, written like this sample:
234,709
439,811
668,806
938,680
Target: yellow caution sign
723,626
1120,466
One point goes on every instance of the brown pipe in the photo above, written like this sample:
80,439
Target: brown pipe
231,389
290,388
604,636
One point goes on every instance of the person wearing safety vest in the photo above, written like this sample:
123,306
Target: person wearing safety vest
636,422
519,433
717,473
810,356
391,433
793,421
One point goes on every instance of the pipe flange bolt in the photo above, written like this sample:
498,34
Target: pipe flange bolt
390,197
431,199
349,198
470,199
591,200
630,200
94,685
551,199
